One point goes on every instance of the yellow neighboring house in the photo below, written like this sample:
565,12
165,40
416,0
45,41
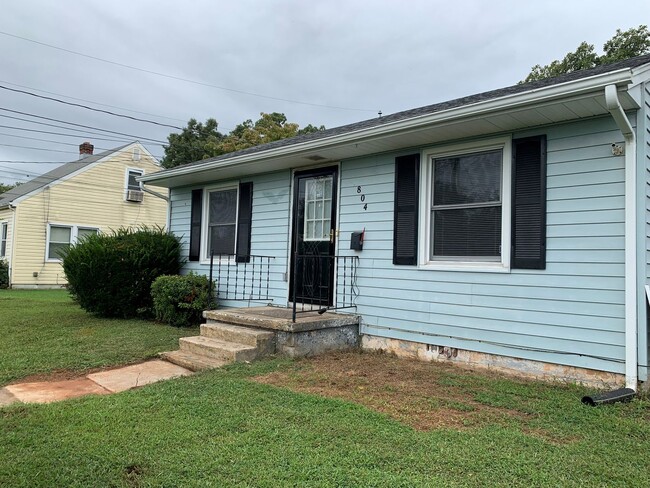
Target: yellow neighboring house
97,193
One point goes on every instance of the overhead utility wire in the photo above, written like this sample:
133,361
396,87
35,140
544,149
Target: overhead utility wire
72,123
40,140
55,142
92,101
38,148
185,79
89,134
44,179
90,108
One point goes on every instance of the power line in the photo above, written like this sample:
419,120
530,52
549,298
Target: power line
185,79
76,125
90,108
31,148
92,101
38,139
93,135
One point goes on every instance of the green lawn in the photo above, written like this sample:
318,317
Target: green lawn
225,428
222,429
44,331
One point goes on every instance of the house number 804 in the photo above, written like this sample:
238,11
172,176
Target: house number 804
362,196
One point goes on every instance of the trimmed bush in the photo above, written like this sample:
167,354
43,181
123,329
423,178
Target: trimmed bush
111,274
180,300
4,274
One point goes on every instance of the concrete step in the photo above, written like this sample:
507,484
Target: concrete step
192,362
217,348
264,340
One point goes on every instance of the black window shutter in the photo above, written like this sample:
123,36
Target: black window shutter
529,203
195,225
244,220
405,227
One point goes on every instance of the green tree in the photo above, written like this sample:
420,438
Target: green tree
623,45
198,141
5,188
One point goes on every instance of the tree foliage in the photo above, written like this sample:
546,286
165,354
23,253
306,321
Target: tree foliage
623,45
198,141
5,188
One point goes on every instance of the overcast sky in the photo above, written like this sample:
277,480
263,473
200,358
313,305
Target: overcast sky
322,62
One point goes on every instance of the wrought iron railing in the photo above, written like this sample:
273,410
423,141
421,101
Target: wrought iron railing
241,278
322,283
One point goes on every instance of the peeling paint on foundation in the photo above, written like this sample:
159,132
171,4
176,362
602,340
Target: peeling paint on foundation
519,367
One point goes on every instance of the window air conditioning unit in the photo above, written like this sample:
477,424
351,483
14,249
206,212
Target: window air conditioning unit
134,196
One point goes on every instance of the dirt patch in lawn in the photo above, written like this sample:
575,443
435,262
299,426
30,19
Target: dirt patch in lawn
423,395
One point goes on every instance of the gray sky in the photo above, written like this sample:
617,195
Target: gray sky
344,60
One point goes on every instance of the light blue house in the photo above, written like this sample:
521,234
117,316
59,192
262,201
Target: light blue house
506,229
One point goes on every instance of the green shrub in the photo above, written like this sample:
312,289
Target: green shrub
111,274
4,274
180,300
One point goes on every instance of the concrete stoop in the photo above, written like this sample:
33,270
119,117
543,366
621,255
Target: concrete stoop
246,334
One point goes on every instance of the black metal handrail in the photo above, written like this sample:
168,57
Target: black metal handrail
242,277
322,283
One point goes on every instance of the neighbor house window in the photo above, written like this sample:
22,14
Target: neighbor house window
133,189
3,239
221,219
61,237
131,182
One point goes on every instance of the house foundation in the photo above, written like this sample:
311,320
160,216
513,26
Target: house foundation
513,366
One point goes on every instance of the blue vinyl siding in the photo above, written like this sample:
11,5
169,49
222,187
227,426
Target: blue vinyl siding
571,313
270,230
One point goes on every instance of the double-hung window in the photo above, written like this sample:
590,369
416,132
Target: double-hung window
221,228
468,215
61,237
466,206
471,206
4,227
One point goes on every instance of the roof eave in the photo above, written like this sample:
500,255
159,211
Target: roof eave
532,97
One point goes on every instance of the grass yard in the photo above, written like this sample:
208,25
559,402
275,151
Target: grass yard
338,420
44,331
353,419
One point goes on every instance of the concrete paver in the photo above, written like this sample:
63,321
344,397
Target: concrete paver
54,391
6,397
121,379
102,383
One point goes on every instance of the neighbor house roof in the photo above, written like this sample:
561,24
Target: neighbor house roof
54,175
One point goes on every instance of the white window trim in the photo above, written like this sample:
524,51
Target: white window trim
424,224
205,220
4,227
126,179
74,233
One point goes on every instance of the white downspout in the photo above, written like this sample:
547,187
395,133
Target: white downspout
631,342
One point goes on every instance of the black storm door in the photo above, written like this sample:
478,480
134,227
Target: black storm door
314,236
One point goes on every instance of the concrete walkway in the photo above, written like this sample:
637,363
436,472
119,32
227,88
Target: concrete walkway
102,383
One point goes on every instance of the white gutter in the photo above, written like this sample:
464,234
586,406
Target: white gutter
534,96
631,319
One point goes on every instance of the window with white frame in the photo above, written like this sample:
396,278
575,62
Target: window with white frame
61,237
468,220
221,222
318,209
131,182
4,228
